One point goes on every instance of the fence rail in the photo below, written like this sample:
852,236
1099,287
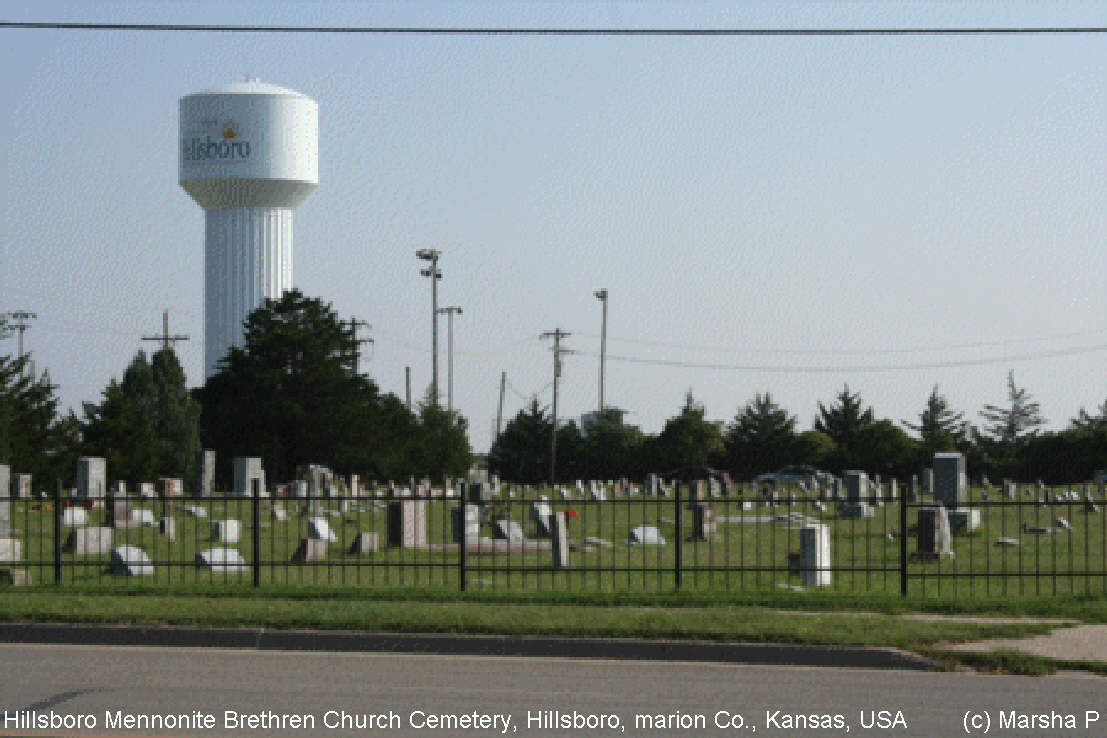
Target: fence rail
1042,542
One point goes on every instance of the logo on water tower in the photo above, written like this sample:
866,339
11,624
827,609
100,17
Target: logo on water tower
225,146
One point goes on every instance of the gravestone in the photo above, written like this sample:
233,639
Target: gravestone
407,524
21,486
838,493
913,490
928,481
146,490
16,577
74,516
5,517
964,519
857,486
299,488
703,522
508,530
11,549
118,489
207,472
647,535
142,516
320,530
560,539
118,510
470,522
1009,490
933,532
310,549
131,561
949,479
92,476
167,525
815,561
353,487
540,515
222,560
195,511
856,510
246,470
89,541
169,487
5,480
226,531
893,490
280,515
365,543
653,485
475,492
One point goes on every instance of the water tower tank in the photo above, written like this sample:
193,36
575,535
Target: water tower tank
249,154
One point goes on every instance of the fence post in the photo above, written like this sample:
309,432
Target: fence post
678,559
256,505
903,545
462,548
58,534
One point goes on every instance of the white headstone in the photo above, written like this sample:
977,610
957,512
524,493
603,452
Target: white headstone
226,531
647,535
89,541
319,529
131,561
815,561
222,560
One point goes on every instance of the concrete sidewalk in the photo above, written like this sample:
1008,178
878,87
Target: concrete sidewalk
1076,643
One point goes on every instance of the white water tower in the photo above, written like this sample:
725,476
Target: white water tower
249,154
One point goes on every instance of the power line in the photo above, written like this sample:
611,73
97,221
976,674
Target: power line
784,369
851,352
554,31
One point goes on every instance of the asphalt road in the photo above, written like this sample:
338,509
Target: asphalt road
408,693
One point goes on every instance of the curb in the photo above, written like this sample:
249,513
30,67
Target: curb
782,654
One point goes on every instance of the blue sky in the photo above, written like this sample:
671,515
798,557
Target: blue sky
806,211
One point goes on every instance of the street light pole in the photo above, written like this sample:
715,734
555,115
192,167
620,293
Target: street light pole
432,255
601,295
449,311
556,335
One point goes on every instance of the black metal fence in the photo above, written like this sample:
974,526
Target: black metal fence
1040,542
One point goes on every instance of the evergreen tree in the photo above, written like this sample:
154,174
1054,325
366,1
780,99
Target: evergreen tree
291,396
522,451
761,438
689,442
939,427
1007,426
147,424
30,436
843,423
1086,421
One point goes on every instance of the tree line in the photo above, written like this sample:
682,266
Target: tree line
291,394
764,437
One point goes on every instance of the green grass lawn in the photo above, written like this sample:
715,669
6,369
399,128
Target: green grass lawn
743,558
730,623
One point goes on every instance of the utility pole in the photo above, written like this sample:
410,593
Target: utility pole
432,272
601,295
557,334
500,409
165,339
407,382
20,322
352,325
449,311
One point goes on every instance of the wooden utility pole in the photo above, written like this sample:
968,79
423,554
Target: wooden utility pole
165,338
557,334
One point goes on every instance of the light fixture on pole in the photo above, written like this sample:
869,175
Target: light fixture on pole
432,255
449,312
601,295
